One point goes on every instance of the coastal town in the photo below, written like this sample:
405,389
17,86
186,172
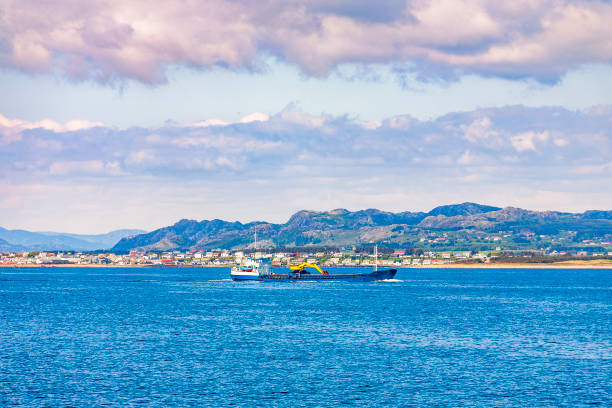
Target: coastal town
328,258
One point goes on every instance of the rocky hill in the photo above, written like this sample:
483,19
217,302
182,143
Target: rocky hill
466,225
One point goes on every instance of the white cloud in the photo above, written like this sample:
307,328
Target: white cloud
527,141
10,129
481,132
402,122
485,146
302,118
207,123
132,39
255,117
465,158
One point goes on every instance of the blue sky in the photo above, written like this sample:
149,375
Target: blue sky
370,93
117,116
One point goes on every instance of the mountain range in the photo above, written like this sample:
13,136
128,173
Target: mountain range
21,240
457,226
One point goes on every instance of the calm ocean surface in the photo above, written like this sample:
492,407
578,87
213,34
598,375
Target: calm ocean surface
190,337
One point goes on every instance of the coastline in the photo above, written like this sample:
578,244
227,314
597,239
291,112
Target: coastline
597,264
525,265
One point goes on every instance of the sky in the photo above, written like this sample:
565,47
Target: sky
121,114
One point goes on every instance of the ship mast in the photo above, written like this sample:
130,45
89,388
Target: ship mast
376,257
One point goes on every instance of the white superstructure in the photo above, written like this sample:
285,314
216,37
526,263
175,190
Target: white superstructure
250,269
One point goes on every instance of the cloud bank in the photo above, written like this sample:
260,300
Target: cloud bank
111,39
103,177
484,141
513,137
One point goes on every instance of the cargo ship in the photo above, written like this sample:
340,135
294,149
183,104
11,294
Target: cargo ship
260,270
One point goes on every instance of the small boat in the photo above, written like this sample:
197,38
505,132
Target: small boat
262,271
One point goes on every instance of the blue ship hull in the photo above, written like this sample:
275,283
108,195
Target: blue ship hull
355,277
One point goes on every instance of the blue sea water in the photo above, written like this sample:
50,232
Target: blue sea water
181,337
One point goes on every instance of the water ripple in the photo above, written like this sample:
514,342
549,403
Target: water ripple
190,337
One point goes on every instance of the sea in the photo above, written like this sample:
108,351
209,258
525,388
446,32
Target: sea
181,337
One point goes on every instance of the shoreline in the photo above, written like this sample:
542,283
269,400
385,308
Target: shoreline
522,265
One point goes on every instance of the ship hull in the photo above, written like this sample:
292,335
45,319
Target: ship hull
357,277
239,275
242,277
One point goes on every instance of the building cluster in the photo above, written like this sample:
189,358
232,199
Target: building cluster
339,258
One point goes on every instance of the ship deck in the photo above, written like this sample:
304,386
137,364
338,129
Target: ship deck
359,277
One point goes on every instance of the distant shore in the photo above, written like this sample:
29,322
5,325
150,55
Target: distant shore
578,264
597,264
